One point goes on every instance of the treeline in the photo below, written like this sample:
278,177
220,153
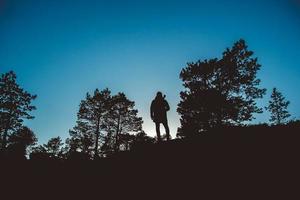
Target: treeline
105,124
223,92
219,92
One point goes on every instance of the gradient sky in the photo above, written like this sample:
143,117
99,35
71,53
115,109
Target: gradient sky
61,49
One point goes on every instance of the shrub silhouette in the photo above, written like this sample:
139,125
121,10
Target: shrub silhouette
53,149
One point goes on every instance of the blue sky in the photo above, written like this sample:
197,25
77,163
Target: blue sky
61,49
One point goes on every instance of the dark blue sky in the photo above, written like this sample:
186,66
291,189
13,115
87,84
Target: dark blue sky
61,49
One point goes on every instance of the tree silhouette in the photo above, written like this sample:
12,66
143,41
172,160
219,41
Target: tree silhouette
104,123
81,140
39,152
141,138
125,141
278,108
219,91
53,147
123,119
19,141
15,105
91,119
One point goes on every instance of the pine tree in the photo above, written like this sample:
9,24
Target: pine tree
219,91
54,147
123,120
15,105
104,123
81,140
278,108
91,121
20,141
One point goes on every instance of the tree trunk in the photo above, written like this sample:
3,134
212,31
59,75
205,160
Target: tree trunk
97,139
4,144
4,140
117,135
278,118
8,124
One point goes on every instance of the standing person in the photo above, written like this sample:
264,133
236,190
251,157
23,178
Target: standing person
158,111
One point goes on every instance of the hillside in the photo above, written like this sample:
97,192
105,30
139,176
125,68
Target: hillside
239,159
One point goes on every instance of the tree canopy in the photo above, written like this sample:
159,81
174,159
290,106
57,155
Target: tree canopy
104,123
278,108
15,106
219,91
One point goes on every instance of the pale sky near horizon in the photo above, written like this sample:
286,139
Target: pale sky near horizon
62,49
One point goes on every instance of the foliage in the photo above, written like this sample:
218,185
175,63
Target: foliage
219,91
52,149
278,108
91,122
81,140
142,139
15,105
123,120
104,123
20,141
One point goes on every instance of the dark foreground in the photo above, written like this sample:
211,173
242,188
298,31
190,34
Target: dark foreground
241,163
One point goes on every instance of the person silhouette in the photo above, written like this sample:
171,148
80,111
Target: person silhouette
158,111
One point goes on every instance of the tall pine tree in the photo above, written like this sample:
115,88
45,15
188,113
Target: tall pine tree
92,120
104,123
15,105
123,119
219,91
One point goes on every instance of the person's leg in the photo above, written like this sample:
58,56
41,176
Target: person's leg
157,124
167,129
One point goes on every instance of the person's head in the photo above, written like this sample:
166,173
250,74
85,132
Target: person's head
159,95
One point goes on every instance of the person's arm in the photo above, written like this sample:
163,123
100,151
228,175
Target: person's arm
167,107
151,111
